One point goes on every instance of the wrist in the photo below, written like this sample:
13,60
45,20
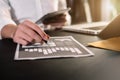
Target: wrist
8,31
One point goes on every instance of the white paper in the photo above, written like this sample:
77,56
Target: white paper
64,46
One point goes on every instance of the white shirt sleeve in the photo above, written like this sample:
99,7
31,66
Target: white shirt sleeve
5,16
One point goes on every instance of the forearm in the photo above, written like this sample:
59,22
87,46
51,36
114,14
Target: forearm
7,25
8,30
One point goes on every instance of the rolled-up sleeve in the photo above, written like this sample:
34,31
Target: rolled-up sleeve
5,16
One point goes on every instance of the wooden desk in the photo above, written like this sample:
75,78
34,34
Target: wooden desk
105,65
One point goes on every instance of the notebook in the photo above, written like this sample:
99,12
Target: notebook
102,29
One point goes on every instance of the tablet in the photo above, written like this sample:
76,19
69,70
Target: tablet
52,14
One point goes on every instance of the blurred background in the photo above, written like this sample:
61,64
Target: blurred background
93,10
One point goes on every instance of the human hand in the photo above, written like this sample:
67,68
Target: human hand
57,21
28,32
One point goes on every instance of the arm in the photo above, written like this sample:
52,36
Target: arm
5,18
23,33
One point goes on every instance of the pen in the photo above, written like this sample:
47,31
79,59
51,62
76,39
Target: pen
45,41
42,38
39,22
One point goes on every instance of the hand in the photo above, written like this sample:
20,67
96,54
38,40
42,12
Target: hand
28,32
57,21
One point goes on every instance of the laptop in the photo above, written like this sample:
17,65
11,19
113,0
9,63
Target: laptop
103,29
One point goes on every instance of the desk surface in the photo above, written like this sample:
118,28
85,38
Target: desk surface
105,65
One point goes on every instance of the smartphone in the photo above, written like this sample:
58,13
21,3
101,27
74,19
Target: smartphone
52,14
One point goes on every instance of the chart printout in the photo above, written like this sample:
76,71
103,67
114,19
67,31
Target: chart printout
63,46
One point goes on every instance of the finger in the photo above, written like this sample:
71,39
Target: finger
22,32
26,37
37,29
38,39
29,34
20,41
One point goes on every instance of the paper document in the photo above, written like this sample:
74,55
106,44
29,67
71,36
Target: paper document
65,46
111,44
